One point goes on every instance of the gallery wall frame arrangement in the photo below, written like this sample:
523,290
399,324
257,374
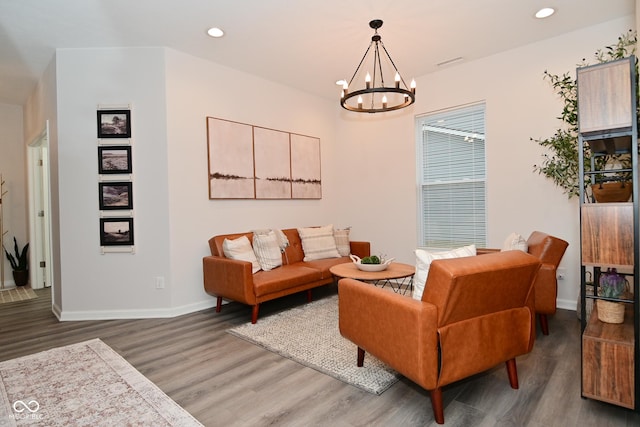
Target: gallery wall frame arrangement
253,162
115,178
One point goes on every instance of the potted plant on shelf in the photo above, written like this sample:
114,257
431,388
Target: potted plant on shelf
19,261
561,162
612,285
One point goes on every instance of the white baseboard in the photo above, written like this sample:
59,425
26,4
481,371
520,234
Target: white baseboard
566,304
67,315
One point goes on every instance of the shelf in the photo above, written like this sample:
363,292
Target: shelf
607,234
609,143
607,360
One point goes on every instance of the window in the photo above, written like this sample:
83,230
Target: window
452,192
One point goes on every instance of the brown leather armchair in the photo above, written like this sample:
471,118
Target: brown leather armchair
549,250
475,313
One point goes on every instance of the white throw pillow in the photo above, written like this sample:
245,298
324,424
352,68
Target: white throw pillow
267,250
240,249
423,263
515,241
318,243
342,241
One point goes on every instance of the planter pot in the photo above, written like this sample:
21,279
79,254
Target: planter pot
610,312
609,192
21,277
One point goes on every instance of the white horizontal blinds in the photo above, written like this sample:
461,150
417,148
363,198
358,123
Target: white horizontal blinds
453,178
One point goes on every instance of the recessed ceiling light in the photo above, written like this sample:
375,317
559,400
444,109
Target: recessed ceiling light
545,12
215,32
341,82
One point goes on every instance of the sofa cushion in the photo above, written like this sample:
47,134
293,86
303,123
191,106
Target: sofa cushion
318,242
423,263
342,241
287,276
323,265
267,250
240,249
515,241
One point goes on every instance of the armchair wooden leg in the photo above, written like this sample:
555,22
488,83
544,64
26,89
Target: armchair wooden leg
544,324
309,295
218,304
360,357
436,404
254,313
512,370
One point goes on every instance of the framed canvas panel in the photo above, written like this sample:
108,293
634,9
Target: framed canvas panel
305,167
114,159
230,155
116,231
272,164
115,195
114,124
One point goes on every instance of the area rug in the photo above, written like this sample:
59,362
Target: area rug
84,384
19,293
309,335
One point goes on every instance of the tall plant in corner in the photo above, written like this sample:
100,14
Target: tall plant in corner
561,160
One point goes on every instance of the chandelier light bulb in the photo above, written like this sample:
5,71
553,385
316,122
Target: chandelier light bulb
367,81
359,102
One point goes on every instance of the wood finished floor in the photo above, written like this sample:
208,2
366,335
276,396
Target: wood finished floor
225,381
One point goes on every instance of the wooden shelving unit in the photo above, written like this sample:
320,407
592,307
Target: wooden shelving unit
607,104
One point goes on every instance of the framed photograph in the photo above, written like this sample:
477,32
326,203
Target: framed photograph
114,124
115,195
116,232
114,159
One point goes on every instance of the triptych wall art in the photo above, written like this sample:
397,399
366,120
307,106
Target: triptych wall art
252,162
115,186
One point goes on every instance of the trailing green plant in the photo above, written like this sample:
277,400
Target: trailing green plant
19,260
561,161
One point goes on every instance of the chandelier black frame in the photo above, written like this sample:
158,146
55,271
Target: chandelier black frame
409,95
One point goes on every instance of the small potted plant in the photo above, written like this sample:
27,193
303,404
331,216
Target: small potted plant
19,261
612,285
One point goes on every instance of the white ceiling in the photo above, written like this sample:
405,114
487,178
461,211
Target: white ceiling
307,44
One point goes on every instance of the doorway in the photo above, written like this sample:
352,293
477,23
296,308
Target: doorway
40,260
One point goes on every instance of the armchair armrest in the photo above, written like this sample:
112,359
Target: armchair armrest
398,330
361,249
228,278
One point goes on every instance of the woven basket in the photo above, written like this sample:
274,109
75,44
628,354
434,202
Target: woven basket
610,312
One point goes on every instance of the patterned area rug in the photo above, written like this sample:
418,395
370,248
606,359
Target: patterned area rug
84,384
309,335
19,293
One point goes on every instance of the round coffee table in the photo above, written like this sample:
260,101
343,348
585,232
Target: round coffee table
398,276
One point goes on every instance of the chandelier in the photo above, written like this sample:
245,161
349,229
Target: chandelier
376,97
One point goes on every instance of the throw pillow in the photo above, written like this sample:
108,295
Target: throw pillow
342,241
514,241
423,262
240,249
318,243
265,246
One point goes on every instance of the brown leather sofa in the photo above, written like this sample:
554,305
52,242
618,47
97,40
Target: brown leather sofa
475,313
233,280
549,250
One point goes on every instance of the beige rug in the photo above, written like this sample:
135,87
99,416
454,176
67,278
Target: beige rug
309,334
19,293
84,384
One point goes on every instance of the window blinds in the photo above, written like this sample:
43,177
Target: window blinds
453,178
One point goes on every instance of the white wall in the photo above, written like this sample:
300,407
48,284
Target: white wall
197,89
519,105
12,168
121,284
